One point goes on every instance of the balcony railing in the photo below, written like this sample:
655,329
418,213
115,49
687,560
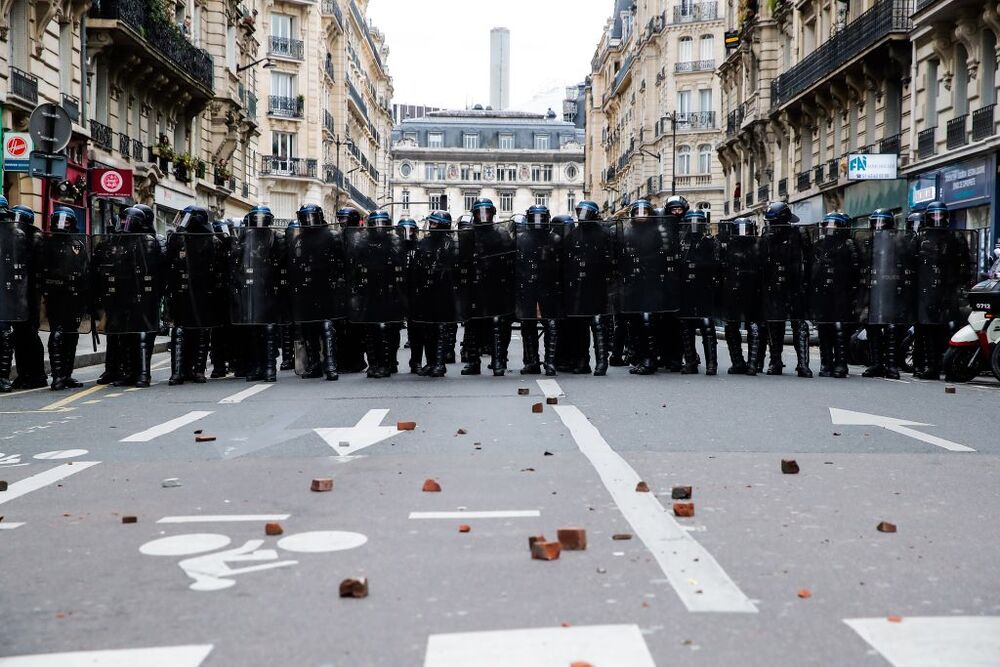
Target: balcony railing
926,142
737,204
819,174
332,175
138,151
274,165
285,107
699,11
71,106
884,18
358,100
890,144
763,194
328,124
748,199
24,85
802,182
923,3
328,67
983,124
957,136
101,135
695,66
125,146
331,8
734,120
366,202
251,106
163,37
782,187
284,47
832,171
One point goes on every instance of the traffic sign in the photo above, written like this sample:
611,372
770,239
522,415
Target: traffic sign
50,127
47,165
17,147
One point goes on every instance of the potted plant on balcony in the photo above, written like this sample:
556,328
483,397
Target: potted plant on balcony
164,153
200,169
183,164
300,102
222,173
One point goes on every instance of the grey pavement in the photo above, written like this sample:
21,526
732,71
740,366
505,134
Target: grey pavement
76,579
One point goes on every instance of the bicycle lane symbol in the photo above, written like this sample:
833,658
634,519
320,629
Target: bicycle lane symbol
211,565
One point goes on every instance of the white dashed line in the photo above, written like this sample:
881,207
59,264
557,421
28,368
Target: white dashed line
487,514
930,641
41,480
550,388
221,518
245,394
167,427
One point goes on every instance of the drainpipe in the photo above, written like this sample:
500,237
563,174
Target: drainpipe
913,96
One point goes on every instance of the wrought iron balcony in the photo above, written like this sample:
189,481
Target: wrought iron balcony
357,99
328,67
782,187
983,124
737,204
328,123
364,200
833,171
957,136
695,66
734,120
921,4
333,175
101,135
763,194
285,107
883,19
251,106
295,167
71,106
125,146
331,8
699,11
926,142
748,199
802,181
24,86
284,47
162,37
819,174
138,151
890,144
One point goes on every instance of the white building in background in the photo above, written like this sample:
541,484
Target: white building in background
447,159
500,68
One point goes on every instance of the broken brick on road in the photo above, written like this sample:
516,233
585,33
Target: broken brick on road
431,486
545,550
321,484
406,426
536,408
464,528
572,539
684,509
354,587
789,466
681,493
886,527
642,487
273,529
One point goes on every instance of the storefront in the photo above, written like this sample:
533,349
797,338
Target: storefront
863,197
169,202
111,192
809,211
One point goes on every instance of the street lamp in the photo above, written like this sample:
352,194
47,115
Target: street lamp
673,150
267,65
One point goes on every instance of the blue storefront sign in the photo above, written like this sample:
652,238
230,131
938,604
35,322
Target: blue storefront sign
960,185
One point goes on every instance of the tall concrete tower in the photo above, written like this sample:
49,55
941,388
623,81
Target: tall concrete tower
500,68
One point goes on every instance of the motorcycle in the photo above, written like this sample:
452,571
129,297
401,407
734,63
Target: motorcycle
974,348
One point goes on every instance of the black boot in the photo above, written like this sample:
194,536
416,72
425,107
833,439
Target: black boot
776,341
891,347
470,349
371,351
645,340
619,337
143,377
501,343
313,350
272,340
126,358
755,348
6,357
551,346
69,343
384,354
761,348
450,341
710,344
56,361
111,362
416,336
200,363
219,362
287,342
919,360
442,340
734,342
688,348
825,350
529,343
840,369
800,331
599,330
177,365
329,338
875,347
928,335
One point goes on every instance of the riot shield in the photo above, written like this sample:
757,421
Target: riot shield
538,271
256,276
785,280
196,298
740,279
437,278
590,284
317,273
891,259
699,279
946,268
648,266
129,277
15,271
493,280
835,276
65,283
376,269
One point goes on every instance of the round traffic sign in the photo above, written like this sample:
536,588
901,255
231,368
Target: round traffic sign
50,126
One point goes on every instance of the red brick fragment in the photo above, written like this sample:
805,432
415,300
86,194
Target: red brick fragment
545,550
464,528
622,536
536,408
950,389
642,487
805,593
130,519
523,391
406,426
789,466
681,493
535,538
684,509
580,663
354,587
894,618
552,400
321,484
273,529
461,431
204,438
886,527
572,539
3,485
431,486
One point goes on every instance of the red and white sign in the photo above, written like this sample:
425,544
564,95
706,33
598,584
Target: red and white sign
111,182
17,147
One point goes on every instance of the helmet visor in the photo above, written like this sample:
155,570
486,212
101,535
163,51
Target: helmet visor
745,228
537,218
259,219
937,218
311,218
133,221
192,221
63,221
483,214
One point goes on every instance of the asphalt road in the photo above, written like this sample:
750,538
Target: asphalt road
773,569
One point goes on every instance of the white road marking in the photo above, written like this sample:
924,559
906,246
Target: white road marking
241,396
488,514
933,641
28,484
157,656
167,427
367,432
851,418
222,518
60,454
322,541
10,525
550,388
185,545
602,645
699,580
159,364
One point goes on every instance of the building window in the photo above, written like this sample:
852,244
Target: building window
541,199
684,102
283,144
571,172
506,142
704,159
282,85
541,173
931,86
705,99
465,173
405,200
506,173
706,48
684,160
469,198
437,200
410,136
477,172
506,202
405,169
434,171
541,142
471,141
571,201
685,50
435,140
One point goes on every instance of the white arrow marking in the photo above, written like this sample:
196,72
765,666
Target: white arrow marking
157,656
930,641
851,418
367,432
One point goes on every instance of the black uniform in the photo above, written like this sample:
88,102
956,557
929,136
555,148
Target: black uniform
350,335
539,277
19,240
740,302
699,292
836,271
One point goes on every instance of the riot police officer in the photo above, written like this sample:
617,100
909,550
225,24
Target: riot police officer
539,287
741,293
573,354
699,292
18,300
224,346
833,286
433,280
785,284
669,326
350,335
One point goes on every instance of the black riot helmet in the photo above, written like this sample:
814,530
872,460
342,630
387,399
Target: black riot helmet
259,216
483,211
565,220
222,228
881,218
520,220
834,224
133,221
743,227
149,215
677,206
310,215
193,220
349,217
936,215
408,228
915,221
538,215
379,219
778,213
22,214
697,221
464,221
588,211
63,219
640,209
439,220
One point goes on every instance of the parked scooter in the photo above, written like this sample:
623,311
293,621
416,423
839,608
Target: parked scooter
973,349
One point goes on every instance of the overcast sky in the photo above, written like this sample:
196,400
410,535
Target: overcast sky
439,50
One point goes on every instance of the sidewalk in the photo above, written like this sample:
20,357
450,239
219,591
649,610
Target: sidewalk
85,353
